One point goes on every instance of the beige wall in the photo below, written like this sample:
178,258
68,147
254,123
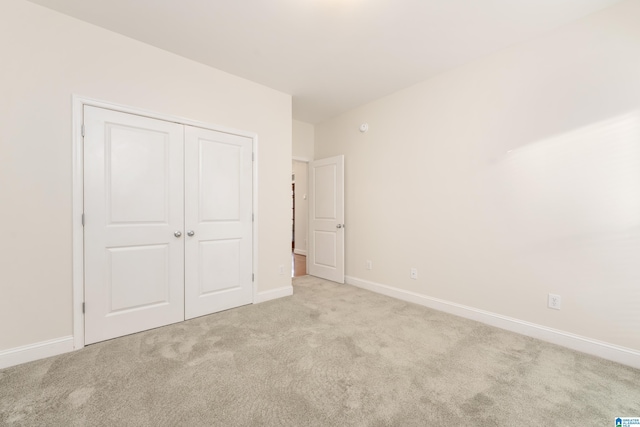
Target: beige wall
303,137
515,176
46,57
300,169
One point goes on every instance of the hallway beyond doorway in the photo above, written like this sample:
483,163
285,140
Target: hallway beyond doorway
298,265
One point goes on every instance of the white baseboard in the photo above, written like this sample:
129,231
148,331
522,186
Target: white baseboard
300,252
284,291
31,352
623,355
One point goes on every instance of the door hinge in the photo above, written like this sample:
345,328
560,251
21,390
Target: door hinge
253,277
83,220
253,157
83,307
252,218
82,130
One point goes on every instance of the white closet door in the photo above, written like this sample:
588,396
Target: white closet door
134,248
218,210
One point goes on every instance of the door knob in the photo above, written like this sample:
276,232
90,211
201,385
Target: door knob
177,233
190,233
339,226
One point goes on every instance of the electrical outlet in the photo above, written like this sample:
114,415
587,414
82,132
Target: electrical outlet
369,265
555,301
281,269
413,273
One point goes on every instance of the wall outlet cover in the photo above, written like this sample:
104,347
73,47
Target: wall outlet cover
555,301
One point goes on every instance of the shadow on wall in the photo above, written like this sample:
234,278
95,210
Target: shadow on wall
585,182
568,209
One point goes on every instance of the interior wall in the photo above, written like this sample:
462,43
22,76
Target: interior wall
46,57
303,140
300,170
507,179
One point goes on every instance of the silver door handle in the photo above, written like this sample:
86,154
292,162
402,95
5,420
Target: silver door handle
191,233
339,226
177,233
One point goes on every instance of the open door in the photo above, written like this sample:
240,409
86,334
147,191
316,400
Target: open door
326,219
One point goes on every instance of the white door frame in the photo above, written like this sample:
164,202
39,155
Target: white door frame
78,103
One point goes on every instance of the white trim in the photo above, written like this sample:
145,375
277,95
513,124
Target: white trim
623,355
255,276
77,200
302,159
300,252
282,292
81,100
78,103
31,352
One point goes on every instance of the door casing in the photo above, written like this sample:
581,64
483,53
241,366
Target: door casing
78,103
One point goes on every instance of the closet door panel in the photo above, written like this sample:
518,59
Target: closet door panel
134,198
218,220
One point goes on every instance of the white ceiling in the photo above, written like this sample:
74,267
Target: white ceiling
331,55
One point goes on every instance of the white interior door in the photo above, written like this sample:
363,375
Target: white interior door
218,209
326,219
134,248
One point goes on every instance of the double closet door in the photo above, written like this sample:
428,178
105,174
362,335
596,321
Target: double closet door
168,222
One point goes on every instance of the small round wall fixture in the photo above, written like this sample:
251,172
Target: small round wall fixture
364,127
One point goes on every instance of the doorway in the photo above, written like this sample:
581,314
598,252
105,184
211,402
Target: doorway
299,217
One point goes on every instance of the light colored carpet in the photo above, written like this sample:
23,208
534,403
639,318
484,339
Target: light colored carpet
330,355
